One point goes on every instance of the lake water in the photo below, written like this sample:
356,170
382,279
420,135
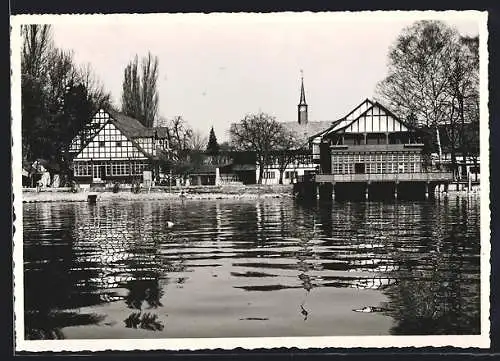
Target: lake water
251,268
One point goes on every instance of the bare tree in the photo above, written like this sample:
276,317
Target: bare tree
140,94
287,150
61,74
96,93
259,133
464,92
149,91
179,135
37,45
198,141
58,97
417,83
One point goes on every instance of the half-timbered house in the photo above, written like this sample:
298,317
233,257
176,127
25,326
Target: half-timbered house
113,147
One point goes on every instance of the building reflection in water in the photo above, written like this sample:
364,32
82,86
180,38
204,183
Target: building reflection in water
422,256
110,254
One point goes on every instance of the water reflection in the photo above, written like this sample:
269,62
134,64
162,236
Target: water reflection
421,257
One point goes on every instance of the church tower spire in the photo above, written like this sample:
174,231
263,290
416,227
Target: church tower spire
302,107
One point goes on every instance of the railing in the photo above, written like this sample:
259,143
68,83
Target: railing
387,177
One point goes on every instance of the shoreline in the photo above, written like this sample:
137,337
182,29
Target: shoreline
63,195
198,193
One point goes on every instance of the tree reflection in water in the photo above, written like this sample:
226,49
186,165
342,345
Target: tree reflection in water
150,292
425,260
146,321
51,286
422,257
441,297
48,325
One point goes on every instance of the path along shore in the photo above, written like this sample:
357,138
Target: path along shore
31,195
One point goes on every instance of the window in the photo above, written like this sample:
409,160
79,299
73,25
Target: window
118,144
268,175
82,169
102,143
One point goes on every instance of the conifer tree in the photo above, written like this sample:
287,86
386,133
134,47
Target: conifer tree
213,146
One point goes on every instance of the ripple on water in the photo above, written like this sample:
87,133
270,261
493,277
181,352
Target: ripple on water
405,268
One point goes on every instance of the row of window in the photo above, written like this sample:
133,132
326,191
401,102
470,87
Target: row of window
373,139
303,159
274,174
101,169
376,157
119,152
377,168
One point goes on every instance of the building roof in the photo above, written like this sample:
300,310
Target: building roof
354,115
134,128
304,131
129,126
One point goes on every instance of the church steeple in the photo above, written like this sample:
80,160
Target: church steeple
302,107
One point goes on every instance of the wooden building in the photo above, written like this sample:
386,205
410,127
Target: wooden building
113,147
372,153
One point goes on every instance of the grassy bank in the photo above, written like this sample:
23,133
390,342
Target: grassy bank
157,193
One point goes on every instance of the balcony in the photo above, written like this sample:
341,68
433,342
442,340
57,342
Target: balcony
386,177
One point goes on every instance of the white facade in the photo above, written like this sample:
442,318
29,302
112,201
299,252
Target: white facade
113,147
299,167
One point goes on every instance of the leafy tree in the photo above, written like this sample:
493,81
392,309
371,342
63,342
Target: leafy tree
37,47
213,146
139,93
57,97
259,133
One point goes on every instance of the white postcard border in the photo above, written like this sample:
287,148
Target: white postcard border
479,341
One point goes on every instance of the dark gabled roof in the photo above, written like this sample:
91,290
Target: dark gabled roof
131,127
160,132
134,128
303,132
321,132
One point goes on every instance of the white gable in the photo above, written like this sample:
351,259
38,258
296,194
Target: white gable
98,121
360,109
110,143
376,120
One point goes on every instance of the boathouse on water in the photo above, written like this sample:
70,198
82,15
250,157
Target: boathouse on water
370,153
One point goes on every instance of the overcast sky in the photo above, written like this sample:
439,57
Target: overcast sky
215,69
